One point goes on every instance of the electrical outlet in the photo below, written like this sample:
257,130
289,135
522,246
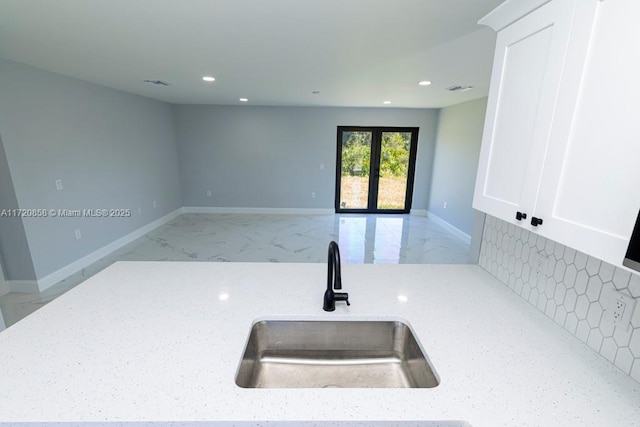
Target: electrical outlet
621,307
538,268
78,234
208,193
444,205
59,184
155,205
313,194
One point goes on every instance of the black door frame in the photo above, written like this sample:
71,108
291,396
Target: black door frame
374,168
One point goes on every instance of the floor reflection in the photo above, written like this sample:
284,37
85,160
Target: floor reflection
366,239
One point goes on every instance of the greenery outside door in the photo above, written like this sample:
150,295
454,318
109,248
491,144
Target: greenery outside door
375,169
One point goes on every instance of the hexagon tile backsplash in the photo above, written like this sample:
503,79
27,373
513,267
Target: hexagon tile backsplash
574,289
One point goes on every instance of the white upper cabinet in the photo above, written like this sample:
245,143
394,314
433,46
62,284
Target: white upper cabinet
562,134
525,81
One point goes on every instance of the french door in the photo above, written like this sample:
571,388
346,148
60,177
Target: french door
375,169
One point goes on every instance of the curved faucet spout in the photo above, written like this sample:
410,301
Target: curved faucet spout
334,280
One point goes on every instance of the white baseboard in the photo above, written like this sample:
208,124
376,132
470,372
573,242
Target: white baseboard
72,268
419,212
265,211
453,230
23,286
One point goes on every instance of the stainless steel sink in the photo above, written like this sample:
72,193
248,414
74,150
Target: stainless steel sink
320,354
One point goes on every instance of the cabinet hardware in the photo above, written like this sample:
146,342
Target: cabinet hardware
521,216
536,221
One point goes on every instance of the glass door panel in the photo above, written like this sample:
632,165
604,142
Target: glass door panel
395,149
375,168
355,169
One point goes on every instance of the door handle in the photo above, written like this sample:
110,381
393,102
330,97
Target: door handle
521,215
536,221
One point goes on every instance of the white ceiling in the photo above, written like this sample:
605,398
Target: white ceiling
275,52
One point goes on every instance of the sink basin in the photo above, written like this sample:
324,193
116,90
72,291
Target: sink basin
321,354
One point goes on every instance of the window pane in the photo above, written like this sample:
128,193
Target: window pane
394,169
354,172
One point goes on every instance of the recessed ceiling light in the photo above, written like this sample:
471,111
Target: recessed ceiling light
244,99
424,83
387,102
208,78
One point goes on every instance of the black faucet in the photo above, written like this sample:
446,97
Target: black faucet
334,280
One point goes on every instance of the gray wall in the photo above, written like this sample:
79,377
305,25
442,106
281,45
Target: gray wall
270,156
111,149
456,162
15,258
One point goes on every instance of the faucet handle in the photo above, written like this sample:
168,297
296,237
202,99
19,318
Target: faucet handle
342,296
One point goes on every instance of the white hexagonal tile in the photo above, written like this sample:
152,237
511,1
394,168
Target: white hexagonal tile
609,349
571,323
550,308
548,287
569,255
622,336
540,243
526,273
594,287
634,344
551,266
580,260
518,286
517,251
593,266
559,271
621,278
582,307
561,315
533,296
549,247
624,359
634,286
594,315
606,272
504,244
581,282
570,276
511,229
595,339
558,252
517,269
531,239
570,300
635,318
560,293
526,291
526,251
582,331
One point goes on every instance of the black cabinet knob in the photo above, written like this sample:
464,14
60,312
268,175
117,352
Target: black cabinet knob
521,216
536,221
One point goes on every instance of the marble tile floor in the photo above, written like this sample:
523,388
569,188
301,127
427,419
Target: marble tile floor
409,239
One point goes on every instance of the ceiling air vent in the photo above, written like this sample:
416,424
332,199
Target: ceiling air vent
459,88
157,82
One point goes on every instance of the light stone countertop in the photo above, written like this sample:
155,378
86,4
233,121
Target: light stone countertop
152,342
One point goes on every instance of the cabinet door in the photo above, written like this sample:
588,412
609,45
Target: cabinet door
527,69
590,192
